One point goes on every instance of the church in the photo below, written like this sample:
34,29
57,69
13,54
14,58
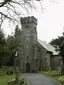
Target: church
35,55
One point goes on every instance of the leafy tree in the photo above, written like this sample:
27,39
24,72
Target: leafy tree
4,55
17,36
2,39
4,50
60,43
57,41
13,43
62,55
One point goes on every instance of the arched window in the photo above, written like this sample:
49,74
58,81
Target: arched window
36,60
35,29
27,57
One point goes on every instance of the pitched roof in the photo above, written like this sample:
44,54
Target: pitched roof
48,47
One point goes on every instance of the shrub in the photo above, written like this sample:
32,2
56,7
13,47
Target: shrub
2,72
61,79
26,83
9,72
22,81
13,82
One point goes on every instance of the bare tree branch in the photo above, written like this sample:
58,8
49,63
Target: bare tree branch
14,8
5,15
4,2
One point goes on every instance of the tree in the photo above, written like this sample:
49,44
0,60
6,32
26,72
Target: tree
60,43
57,41
62,55
2,39
17,36
4,50
13,43
13,9
11,46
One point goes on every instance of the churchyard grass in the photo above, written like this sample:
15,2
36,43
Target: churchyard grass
6,78
51,73
55,75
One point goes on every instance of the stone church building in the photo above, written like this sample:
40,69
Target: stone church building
34,54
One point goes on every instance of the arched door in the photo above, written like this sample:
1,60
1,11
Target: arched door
27,67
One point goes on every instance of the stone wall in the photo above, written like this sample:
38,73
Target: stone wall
44,58
55,62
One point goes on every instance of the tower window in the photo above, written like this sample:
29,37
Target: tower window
35,29
27,57
36,60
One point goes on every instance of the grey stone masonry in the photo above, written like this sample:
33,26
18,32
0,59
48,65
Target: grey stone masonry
31,19
34,54
29,39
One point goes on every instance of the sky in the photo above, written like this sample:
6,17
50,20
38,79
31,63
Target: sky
50,21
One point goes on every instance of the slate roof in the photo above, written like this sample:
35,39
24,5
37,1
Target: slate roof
48,47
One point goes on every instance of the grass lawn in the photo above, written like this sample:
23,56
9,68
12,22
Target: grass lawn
5,79
53,74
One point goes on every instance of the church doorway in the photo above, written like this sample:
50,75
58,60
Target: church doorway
27,67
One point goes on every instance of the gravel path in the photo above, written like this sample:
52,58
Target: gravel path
38,79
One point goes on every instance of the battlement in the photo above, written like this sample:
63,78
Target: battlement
26,20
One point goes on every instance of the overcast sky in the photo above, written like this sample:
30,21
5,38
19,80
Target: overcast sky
50,21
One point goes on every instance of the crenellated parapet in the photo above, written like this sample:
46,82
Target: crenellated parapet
26,20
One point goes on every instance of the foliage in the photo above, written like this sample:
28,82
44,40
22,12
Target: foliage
57,41
58,77
62,50
13,82
4,79
17,37
60,43
2,72
6,70
9,72
2,39
51,73
62,55
8,47
13,43
4,50
61,79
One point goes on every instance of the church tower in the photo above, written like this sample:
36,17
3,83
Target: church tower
29,44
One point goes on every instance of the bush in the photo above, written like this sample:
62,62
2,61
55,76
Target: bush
61,79
62,71
9,72
22,81
13,82
2,72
